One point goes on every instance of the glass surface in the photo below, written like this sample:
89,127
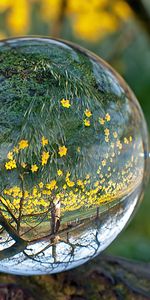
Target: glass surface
73,151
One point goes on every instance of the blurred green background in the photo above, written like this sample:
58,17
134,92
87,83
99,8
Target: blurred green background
118,31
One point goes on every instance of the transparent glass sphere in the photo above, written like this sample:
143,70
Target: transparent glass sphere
73,151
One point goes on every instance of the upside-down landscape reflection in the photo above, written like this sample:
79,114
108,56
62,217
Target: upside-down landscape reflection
73,149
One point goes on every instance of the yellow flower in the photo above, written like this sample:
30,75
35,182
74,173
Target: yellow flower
65,103
34,192
26,194
23,144
87,25
102,121
130,138
113,154
106,131
70,183
96,183
41,185
23,165
59,172
18,18
51,185
10,165
115,134
78,149
107,117
79,182
103,162
126,141
16,150
118,144
106,139
87,122
44,141
88,113
34,168
122,10
45,157
62,151
49,14
67,175
10,155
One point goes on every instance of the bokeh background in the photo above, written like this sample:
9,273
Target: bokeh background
118,31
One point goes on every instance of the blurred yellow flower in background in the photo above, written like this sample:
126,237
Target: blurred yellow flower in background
89,20
94,25
18,18
49,9
5,4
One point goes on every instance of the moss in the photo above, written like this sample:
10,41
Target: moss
105,278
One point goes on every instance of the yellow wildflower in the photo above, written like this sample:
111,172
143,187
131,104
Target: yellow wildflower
130,138
26,194
44,192
78,149
45,157
65,103
102,121
88,113
10,165
70,183
59,172
41,185
126,141
106,131
23,165
10,155
44,141
118,144
16,150
34,168
79,182
68,175
23,144
106,139
62,150
115,134
107,117
103,162
87,122
51,185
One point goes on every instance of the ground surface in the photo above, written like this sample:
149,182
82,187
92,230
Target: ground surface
106,277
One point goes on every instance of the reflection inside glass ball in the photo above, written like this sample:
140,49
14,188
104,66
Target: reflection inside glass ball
73,146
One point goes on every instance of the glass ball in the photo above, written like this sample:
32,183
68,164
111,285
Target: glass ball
73,152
